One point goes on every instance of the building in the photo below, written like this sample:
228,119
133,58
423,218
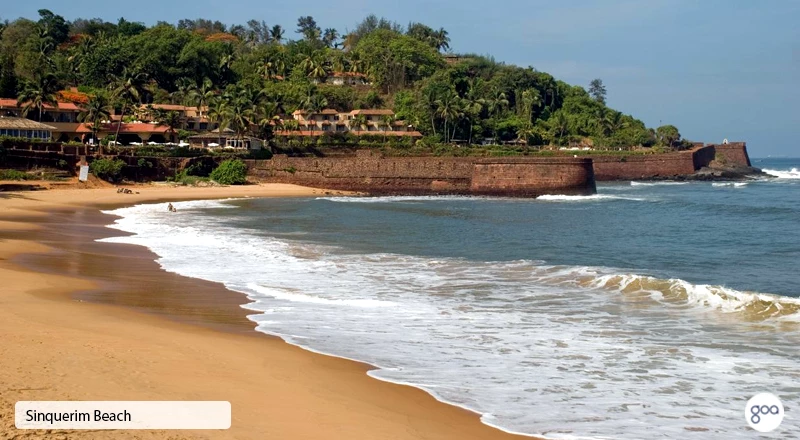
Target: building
25,128
213,140
333,121
344,78
63,120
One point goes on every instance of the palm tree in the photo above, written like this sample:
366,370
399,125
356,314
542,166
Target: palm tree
126,90
276,34
386,122
559,124
95,111
218,113
329,37
529,99
440,40
268,115
525,133
201,96
314,104
358,122
170,119
315,66
38,95
447,108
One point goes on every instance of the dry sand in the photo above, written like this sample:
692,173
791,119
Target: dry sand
56,345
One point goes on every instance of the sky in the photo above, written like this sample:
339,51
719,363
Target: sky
716,69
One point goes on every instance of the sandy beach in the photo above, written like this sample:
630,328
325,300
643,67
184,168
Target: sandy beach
96,321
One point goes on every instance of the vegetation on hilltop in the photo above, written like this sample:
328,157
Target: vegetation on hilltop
249,75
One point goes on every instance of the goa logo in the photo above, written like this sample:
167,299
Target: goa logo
764,412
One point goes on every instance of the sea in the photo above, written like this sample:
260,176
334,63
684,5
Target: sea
649,310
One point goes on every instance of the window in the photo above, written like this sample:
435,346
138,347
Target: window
204,126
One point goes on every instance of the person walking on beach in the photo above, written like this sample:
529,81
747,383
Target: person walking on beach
171,208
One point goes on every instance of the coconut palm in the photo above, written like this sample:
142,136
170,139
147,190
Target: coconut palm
447,108
37,95
127,90
170,119
440,40
276,34
330,36
202,95
359,121
95,112
218,114
314,104
386,122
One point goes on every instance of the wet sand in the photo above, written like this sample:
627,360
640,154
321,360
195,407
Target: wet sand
83,320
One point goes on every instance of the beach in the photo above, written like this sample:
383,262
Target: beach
96,321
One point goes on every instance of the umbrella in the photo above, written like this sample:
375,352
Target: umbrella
213,144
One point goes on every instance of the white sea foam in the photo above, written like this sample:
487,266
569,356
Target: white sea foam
730,184
590,198
390,199
661,183
559,351
784,174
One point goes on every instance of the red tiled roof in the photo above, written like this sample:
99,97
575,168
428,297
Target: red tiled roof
136,128
329,111
372,111
71,127
12,103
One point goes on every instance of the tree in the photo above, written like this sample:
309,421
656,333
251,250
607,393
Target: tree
126,91
387,121
359,121
314,104
38,95
598,90
307,26
202,95
667,135
170,119
218,114
276,34
447,108
440,40
53,27
95,112
329,37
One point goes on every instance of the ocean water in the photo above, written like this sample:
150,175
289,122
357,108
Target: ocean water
649,310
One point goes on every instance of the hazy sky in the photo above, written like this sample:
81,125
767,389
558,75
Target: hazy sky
714,68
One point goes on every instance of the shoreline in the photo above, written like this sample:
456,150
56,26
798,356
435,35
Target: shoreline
339,393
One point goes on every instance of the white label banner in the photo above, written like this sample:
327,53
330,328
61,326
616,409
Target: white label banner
122,415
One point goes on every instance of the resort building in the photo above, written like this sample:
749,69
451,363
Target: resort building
344,78
375,121
227,140
24,128
64,125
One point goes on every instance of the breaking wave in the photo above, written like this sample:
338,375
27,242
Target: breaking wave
557,351
783,174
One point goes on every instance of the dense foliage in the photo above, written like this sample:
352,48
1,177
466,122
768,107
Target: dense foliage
230,172
250,75
107,169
